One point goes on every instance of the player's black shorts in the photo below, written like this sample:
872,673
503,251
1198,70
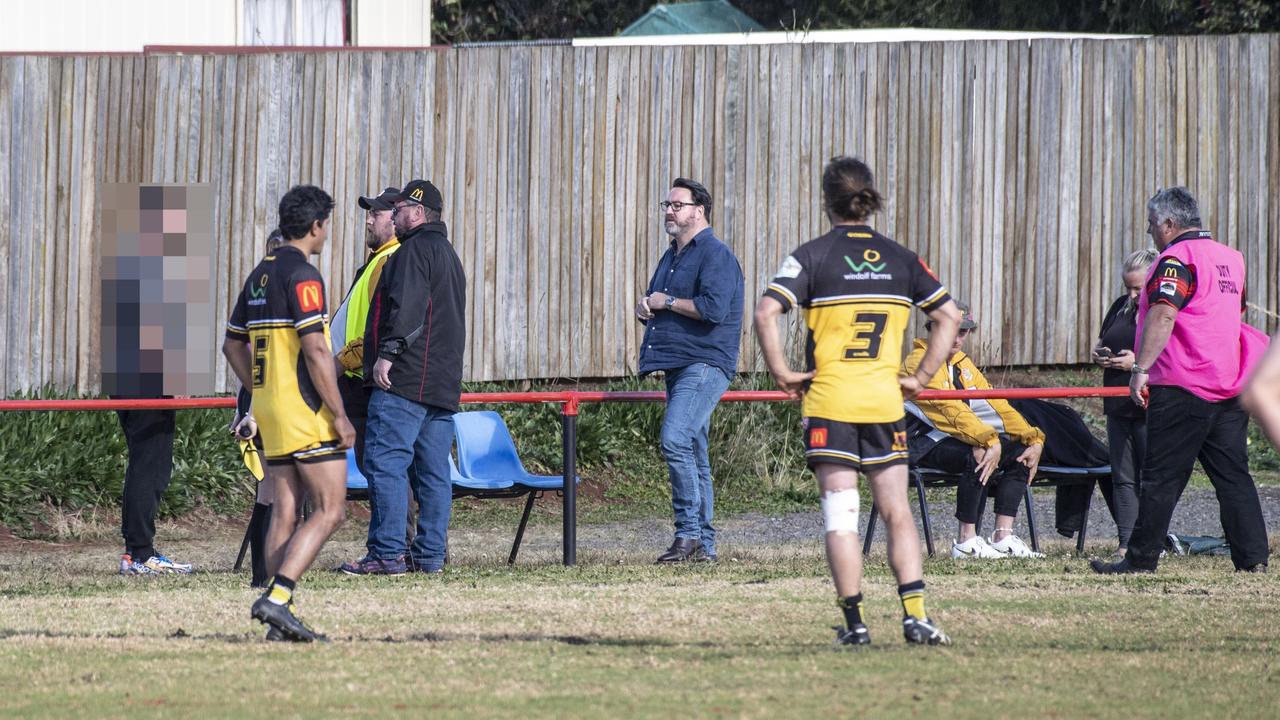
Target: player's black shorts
863,446
314,453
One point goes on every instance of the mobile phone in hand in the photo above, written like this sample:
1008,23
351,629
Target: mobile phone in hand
1105,352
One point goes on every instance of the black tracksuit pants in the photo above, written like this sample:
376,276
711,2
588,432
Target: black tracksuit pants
1182,428
1007,484
149,436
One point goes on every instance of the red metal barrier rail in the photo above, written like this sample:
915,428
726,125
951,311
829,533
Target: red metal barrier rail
569,400
561,396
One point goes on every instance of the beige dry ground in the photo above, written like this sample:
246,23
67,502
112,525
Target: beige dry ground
618,637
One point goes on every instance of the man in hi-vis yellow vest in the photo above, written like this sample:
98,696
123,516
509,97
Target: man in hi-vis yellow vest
347,328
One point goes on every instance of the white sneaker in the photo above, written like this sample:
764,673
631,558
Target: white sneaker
1012,546
975,547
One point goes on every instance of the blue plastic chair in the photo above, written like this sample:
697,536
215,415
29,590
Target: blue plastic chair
486,450
357,483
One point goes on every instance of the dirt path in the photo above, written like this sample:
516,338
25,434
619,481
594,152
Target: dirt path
1196,514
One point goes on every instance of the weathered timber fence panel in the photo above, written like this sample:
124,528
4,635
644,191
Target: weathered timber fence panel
1018,170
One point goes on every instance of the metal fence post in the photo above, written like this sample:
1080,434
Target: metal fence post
569,436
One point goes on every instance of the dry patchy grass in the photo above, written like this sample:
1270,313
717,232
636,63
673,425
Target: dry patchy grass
617,636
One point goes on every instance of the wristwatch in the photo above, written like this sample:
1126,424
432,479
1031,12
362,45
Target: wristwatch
1139,370
670,301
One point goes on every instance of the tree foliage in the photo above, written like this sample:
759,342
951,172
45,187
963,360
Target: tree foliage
457,21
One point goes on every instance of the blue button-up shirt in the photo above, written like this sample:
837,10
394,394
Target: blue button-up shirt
708,273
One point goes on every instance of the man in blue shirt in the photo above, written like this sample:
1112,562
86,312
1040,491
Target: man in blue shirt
692,313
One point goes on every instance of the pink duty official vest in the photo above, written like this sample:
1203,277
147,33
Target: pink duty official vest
1211,352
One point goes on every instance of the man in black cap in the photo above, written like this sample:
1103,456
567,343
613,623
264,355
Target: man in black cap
348,326
415,334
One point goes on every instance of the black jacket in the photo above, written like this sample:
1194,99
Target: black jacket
417,319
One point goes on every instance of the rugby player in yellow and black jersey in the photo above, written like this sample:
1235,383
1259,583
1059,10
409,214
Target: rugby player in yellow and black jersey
278,345
858,288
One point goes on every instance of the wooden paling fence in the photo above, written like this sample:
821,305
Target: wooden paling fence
1018,169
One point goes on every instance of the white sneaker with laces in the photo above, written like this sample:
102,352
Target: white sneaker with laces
1012,546
975,547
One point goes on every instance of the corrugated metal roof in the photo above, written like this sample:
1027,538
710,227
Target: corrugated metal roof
705,16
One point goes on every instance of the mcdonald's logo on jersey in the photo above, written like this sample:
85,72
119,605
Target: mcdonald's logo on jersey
310,296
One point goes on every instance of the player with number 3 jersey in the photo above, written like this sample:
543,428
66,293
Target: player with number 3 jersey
858,288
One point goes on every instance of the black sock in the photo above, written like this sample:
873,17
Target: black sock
852,608
259,523
285,583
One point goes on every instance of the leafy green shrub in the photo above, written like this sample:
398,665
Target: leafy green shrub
75,461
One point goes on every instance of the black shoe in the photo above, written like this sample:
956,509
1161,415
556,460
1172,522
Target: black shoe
282,618
274,635
1122,567
856,635
1259,568
681,550
701,555
923,632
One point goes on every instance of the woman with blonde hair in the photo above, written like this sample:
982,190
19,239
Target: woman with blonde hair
1126,421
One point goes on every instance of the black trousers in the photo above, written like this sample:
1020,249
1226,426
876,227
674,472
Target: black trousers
1007,484
149,437
1182,428
355,398
1127,444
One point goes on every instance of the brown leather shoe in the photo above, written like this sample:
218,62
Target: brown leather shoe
681,550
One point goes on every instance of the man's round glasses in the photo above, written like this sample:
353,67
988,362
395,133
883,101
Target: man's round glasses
674,206
395,209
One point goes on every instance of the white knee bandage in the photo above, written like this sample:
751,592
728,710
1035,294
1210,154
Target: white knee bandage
840,511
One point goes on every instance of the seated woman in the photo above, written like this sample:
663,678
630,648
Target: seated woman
988,443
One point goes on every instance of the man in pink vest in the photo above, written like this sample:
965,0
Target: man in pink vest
1194,355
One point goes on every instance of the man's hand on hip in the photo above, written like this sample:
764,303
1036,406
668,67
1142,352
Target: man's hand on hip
792,382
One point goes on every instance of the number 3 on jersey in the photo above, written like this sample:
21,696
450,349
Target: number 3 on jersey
868,333
259,361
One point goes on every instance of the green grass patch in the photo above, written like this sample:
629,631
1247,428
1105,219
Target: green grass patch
619,637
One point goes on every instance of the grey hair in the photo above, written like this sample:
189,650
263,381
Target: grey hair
1139,260
1175,204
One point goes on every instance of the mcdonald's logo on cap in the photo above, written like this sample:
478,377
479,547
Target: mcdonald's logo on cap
416,194
310,296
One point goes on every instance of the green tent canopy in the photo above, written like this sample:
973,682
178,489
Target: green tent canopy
692,18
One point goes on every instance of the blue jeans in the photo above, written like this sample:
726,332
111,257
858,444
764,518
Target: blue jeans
692,394
402,433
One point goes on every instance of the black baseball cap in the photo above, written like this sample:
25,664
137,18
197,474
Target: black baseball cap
421,192
384,201
966,318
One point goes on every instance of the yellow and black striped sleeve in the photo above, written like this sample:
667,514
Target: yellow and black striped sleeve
927,292
238,323
790,285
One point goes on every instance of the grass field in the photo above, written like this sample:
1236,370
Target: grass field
618,637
